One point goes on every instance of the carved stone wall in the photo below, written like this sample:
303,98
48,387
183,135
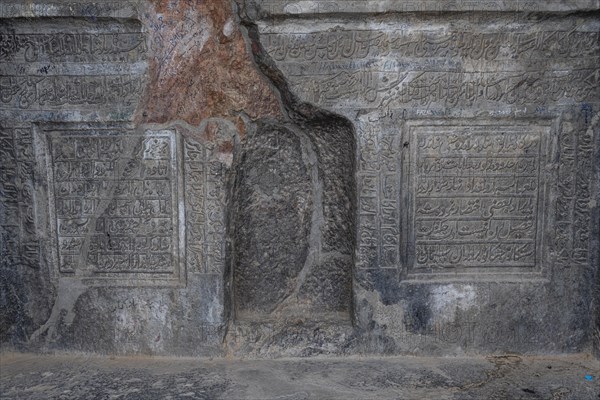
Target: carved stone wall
273,177
476,140
68,68
114,206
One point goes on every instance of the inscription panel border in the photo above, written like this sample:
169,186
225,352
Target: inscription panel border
177,277
408,273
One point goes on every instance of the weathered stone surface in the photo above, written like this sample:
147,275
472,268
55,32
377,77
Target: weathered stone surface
301,178
476,135
291,259
269,8
130,210
502,377
273,202
89,208
199,65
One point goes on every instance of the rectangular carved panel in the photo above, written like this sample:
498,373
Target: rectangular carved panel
379,200
59,65
114,198
476,197
415,44
293,8
575,189
18,236
433,64
57,40
205,208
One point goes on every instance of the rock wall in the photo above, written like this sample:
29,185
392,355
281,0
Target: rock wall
119,122
279,178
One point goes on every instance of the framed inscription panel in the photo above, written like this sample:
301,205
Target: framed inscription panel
114,204
476,197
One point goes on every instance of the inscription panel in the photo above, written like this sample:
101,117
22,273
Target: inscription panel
477,197
438,63
57,69
205,208
114,201
379,199
469,68
18,236
55,92
94,10
49,42
50,65
382,89
358,44
575,188
312,7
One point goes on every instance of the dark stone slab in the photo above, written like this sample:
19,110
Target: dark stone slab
273,203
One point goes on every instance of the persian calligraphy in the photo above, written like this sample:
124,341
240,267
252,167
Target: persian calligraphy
88,47
357,44
33,92
573,233
54,64
67,40
205,208
115,202
379,202
18,234
425,88
281,7
458,64
476,196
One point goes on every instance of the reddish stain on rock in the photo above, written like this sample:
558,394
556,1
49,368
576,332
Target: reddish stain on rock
199,66
211,130
226,147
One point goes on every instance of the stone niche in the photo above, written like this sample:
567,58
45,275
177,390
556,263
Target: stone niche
431,185
292,225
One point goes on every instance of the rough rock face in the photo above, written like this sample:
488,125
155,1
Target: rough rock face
273,200
292,245
454,249
129,271
276,178
198,65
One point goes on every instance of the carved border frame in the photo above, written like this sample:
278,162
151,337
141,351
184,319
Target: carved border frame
546,127
178,276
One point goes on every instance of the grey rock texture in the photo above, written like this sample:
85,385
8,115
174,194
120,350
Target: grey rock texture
292,245
502,377
460,245
273,201
113,220
273,178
